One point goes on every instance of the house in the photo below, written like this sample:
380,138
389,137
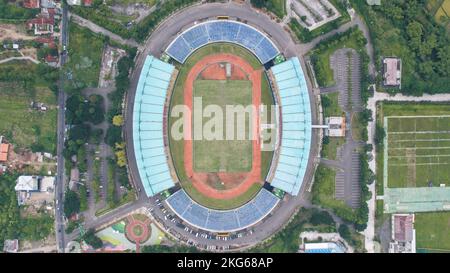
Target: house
52,61
46,41
88,3
4,148
41,25
403,234
35,188
74,2
49,4
11,246
31,4
392,71
49,13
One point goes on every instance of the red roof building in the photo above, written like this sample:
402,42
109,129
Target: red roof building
41,25
46,41
88,3
4,148
51,59
31,4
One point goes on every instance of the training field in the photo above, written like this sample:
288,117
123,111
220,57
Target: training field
417,150
432,231
223,155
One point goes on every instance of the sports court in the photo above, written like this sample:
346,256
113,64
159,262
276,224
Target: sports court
417,151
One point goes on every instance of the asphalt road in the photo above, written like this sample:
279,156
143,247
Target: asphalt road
60,177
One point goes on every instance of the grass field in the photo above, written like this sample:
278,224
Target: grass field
85,56
432,231
177,147
223,155
418,147
330,106
23,126
321,57
324,190
418,151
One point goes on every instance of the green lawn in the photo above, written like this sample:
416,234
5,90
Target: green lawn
321,55
278,7
268,100
330,105
432,231
223,155
358,130
177,147
85,56
23,126
324,189
415,159
329,150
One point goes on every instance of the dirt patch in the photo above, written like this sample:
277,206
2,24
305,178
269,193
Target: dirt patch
30,51
13,32
217,71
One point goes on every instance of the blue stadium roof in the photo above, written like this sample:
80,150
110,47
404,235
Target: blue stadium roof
222,31
148,126
222,220
296,126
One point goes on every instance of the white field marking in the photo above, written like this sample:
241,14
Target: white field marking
418,132
405,117
421,140
419,164
420,148
400,156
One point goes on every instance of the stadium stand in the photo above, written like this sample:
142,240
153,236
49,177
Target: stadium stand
296,126
222,31
222,220
148,126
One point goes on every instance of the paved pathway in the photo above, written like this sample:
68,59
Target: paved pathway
98,29
26,58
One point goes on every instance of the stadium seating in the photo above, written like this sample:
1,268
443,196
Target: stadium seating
148,126
296,126
222,220
222,31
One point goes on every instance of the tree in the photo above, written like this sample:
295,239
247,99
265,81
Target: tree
113,135
321,218
118,120
91,239
380,134
121,158
83,198
71,203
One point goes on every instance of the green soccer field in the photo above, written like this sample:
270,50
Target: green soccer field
432,231
223,155
418,151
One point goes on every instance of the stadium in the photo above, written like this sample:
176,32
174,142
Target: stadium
221,185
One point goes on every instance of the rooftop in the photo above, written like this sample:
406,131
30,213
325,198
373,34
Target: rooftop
392,71
27,183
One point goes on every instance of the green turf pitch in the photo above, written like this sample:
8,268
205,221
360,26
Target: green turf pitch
418,151
223,155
